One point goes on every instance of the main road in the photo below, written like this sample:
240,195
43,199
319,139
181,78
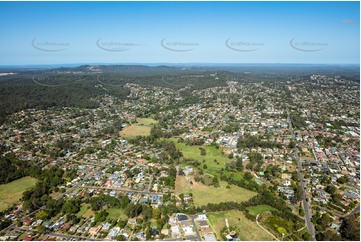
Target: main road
121,190
67,236
306,206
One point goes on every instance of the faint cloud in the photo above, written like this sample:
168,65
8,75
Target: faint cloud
348,21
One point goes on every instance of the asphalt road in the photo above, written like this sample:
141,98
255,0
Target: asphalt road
150,183
306,206
356,210
121,190
199,237
67,236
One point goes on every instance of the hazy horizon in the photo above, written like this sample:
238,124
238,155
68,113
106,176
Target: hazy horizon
70,65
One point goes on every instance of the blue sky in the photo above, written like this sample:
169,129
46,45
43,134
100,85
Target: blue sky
179,32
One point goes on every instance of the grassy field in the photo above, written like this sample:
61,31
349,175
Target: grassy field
146,121
134,131
212,153
11,192
115,213
142,128
22,236
248,230
181,185
202,194
259,209
83,209
88,214
278,226
55,194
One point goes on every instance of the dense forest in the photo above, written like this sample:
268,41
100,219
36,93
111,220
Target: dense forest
42,91
21,92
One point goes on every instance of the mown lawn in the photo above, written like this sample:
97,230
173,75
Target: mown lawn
11,192
247,229
259,209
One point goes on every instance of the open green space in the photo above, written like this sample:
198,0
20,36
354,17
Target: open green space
259,209
134,131
278,226
11,192
247,229
22,236
282,230
212,154
203,194
141,128
146,121
83,209
115,213
88,214
55,194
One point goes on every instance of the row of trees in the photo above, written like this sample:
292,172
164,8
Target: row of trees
98,202
252,141
157,132
247,183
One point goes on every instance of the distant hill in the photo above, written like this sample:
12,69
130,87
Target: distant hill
138,70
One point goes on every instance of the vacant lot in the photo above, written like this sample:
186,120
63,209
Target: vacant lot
83,209
202,194
134,131
181,185
213,155
11,192
247,229
146,121
88,214
259,209
115,213
141,128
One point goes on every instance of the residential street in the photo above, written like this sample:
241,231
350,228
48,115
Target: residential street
199,237
306,206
